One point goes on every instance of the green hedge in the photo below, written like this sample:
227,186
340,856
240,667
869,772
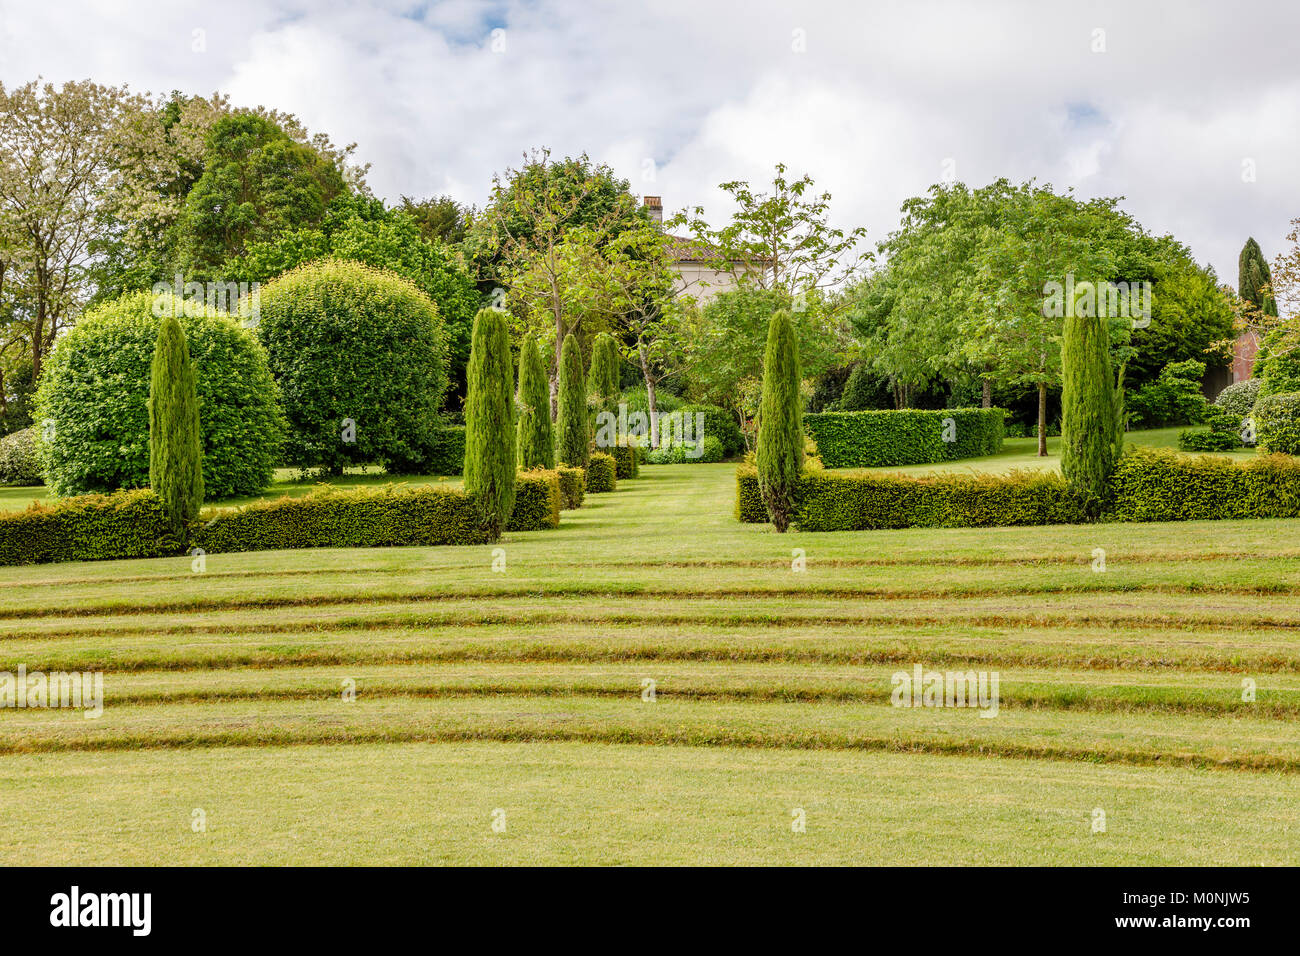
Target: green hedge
126,524
874,439
676,454
573,487
346,518
627,458
537,501
1153,484
602,473
447,456
749,503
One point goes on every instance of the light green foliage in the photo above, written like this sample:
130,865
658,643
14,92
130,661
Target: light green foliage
603,379
490,436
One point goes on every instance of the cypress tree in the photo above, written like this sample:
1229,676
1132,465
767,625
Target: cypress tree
780,423
490,421
1252,275
604,376
1088,407
571,426
536,433
175,447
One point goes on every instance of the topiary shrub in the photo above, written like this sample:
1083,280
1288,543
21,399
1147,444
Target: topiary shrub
573,487
602,473
1156,484
1087,408
1277,422
490,435
175,450
538,500
888,438
1238,399
571,419
627,457
603,378
127,524
20,462
93,402
361,357
779,454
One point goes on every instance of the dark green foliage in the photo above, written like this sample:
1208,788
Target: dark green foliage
571,421
347,518
1160,485
20,463
1252,275
606,365
1224,433
128,524
864,389
1277,423
95,392
1277,364
602,473
537,503
719,423
175,447
888,438
1239,398
627,458
490,436
573,487
448,454
350,343
1087,407
20,391
828,387
637,399
536,433
1174,398
780,431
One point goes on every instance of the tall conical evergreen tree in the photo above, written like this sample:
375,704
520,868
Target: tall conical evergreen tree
1088,407
604,375
175,445
490,421
571,425
780,423
1252,275
536,433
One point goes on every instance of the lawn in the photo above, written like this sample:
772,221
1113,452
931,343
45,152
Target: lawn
526,691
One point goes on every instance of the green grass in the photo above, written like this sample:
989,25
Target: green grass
477,690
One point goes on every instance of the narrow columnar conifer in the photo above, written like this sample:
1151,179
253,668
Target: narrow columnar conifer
571,425
536,433
604,376
175,445
780,423
490,421
1088,407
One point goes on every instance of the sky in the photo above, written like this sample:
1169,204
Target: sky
1190,110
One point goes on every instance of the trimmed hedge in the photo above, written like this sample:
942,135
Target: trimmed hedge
126,524
347,518
874,439
573,487
447,455
1277,422
627,458
749,502
1152,484
537,501
602,473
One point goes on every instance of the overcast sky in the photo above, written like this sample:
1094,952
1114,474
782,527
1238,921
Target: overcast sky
1190,110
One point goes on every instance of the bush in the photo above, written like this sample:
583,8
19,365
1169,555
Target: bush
128,524
175,449
1277,423
95,392
637,399
889,438
1174,398
1224,433
627,458
573,487
20,464
1088,408
719,423
680,453
447,455
490,435
602,473
1277,365
864,389
537,501
1152,484
1240,398
350,343
346,518
536,435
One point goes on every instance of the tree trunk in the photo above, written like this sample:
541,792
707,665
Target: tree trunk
555,377
986,399
1042,419
650,395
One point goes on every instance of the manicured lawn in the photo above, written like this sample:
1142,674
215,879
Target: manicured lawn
522,690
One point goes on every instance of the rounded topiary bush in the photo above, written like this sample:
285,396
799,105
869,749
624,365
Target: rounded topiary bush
1277,423
20,464
1238,399
360,355
93,402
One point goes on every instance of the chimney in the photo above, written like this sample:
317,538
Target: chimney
654,208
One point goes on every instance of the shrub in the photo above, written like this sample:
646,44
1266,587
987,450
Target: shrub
20,464
680,453
573,487
1087,408
447,456
346,518
175,453
490,435
719,423
864,389
749,503
627,457
1277,422
571,420
779,454
1238,399
1277,365
127,524
95,392
602,473
536,434
1152,484
537,501
350,343
888,438
1174,398
1224,433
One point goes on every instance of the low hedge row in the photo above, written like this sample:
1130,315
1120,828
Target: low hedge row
884,438
602,473
346,518
126,524
627,459
573,487
1148,485
537,501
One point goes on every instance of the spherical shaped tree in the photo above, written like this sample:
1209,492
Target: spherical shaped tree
571,425
779,453
536,433
360,355
93,402
489,421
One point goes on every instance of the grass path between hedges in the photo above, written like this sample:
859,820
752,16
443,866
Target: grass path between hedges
523,691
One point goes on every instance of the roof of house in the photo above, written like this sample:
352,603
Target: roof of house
687,249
